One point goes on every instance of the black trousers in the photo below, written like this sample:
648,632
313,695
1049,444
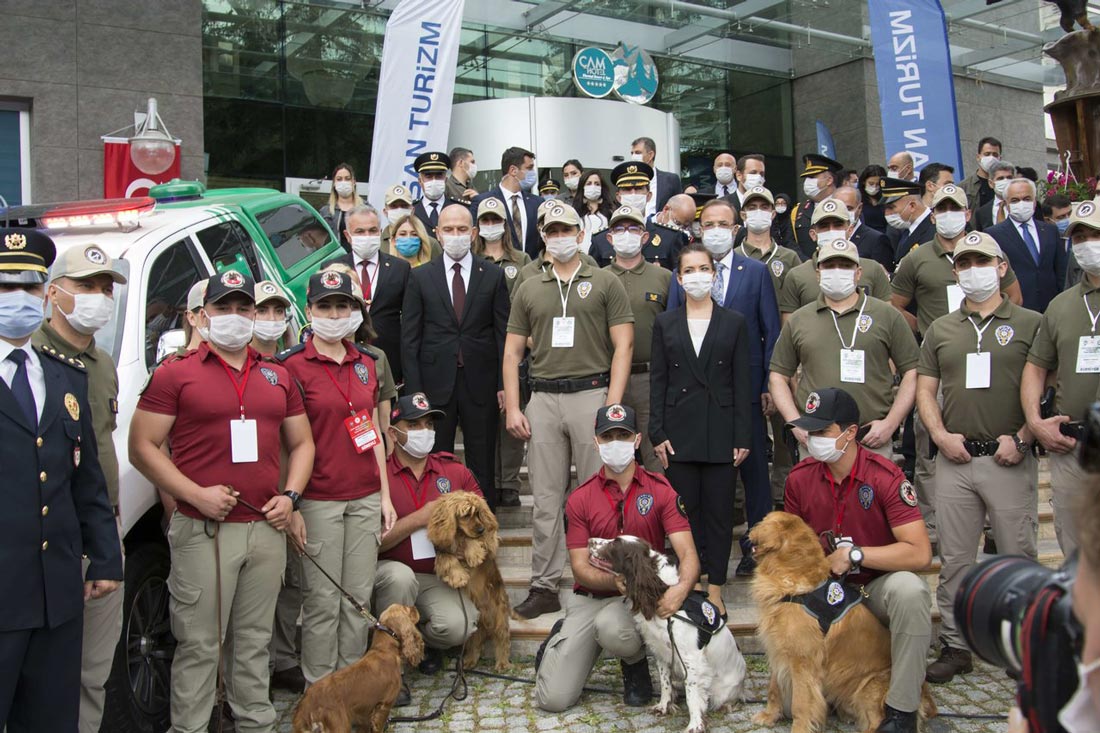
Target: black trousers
479,433
707,491
40,678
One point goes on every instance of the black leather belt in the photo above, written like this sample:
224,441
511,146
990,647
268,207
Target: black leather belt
567,386
639,368
979,448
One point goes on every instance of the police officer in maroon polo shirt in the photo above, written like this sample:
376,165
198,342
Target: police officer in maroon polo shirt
226,413
870,511
406,566
622,498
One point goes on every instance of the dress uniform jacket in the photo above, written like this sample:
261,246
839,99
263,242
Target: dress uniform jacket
420,209
802,216
662,249
58,509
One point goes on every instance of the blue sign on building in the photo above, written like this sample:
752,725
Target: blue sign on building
594,72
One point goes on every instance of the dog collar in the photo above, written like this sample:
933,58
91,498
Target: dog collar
386,629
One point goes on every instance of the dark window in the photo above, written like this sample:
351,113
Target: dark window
229,247
294,231
172,275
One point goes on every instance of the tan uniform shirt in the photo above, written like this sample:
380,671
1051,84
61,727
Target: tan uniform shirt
780,261
596,300
647,288
809,338
102,398
1057,348
512,263
800,286
455,189
925,275
980,414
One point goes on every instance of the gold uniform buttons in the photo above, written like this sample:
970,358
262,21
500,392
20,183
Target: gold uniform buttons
39,442
42,477
45,510
45,545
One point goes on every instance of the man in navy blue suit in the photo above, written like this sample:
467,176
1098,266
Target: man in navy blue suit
744,285
520,205
1033,247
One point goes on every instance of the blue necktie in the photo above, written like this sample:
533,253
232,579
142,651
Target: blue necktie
21,388
1030,242
717,288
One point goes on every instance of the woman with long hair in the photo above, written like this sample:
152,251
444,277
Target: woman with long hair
594,203
870,183
410,240
341,200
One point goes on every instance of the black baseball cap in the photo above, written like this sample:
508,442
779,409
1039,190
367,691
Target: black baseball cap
825,407
413,407
228,283
616,416
332,282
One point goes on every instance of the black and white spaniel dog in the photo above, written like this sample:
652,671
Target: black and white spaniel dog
692,648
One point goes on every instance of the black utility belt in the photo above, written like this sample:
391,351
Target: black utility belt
980,448
1074,429
567,386
640,368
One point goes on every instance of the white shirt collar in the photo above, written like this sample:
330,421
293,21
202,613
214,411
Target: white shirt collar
916,222
859,223
359,262
6,348
466,262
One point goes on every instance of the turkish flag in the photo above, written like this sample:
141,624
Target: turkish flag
122,179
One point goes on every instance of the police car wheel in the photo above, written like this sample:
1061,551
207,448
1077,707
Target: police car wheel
140,682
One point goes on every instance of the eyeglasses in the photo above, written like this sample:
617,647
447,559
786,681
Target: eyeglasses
616,231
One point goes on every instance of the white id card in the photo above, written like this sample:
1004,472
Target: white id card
977,370
954,298
243,443
563,332
851,365
422,547
1088,355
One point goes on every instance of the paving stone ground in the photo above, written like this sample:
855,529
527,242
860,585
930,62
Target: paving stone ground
502,705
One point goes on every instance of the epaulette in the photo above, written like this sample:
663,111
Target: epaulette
802,465
444,455
368,350
286,353
71,361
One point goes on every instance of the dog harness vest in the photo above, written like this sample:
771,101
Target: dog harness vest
828,602
702,614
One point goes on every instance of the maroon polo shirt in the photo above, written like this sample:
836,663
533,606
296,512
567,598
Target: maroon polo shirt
442,474
340,473
198,392
866,506
648,509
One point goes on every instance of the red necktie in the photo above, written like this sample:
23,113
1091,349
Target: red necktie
458,297
365,278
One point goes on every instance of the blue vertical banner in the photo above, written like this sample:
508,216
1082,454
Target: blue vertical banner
915,86
825,145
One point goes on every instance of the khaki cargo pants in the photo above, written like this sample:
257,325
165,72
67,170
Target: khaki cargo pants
440,605
562,431
102,628
284,651
965,493
252,562
903,603
591,625
1067,479
637,397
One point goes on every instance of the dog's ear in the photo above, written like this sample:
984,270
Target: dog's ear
412,643
443,525
491,538
644,585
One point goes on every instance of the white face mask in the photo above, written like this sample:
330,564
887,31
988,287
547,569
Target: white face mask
365,246
344,188
456,245
471,170
269,331
626,244
394,214
758,221
635,156
999,187
979,284
810,187
634,200
824,239
491,232
824,449
592,193
434,189
871,189
838,284
697,284
419,443
337,329
896,222
1087,254
987,161
1080,714
1022,211
563,248
752,180
718,241
91,311
572,182
230,332
780,209
950,224
724,174
617,455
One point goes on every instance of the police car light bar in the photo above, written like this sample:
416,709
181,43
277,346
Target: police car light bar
123,213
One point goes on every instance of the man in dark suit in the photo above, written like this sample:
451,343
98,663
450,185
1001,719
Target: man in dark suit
632,183
452,340
871,243
744,285
909,218
1033,247
520,205
56,508
384,278
995,211
819,180
432,170
665,185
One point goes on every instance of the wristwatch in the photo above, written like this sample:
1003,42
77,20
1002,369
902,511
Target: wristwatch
1021,446
295,498
855,557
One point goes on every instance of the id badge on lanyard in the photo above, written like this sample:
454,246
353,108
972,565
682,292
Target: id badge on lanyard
979,365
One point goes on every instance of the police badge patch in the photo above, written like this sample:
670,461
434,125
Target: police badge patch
778,267
331,280
95,255
710,613
443,485
813,402
1004,334
645,503
232,279
866,496
680,507
419,401
1085,209
270,376
363,373
907,493
836,594
616,413
72,406
510,271
583,289
864,324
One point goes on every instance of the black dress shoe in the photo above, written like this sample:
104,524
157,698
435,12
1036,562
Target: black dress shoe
508,498
746,567
637,685
897,721
432,662
290,680
404,697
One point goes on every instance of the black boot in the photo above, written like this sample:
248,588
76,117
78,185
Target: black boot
404,697
542,647
637,685
952,661
432,662
897,721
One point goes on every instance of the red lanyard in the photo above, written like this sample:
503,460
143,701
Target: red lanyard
238,388
345,394
839,502
418,503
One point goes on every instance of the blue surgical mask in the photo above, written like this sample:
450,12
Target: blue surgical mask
408,246
21,313
529,180
1063,225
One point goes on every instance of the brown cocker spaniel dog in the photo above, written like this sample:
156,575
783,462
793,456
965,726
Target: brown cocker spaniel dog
848,668
363,693
464,532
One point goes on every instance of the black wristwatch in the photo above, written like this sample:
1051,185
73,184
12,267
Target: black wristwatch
295,498
1021,446
855,557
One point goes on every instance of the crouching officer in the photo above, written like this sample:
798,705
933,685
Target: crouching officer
621,499
57,507
406,565
866,508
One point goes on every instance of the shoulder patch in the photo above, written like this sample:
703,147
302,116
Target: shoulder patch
907,493
69,361
680,507
287,353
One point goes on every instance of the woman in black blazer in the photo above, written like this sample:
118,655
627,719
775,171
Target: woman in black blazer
700,410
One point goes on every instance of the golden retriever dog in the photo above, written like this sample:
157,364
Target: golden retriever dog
464,532
363,693
848,668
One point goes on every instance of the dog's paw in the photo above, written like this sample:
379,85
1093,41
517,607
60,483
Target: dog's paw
765,718
669,708
502,666
700,727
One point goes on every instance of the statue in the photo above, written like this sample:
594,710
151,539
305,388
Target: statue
1075,111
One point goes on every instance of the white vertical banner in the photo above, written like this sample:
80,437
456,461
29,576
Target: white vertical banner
415,91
